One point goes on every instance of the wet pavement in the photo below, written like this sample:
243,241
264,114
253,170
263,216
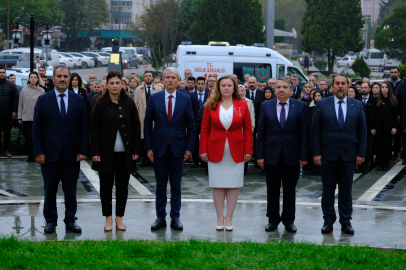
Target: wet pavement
379,208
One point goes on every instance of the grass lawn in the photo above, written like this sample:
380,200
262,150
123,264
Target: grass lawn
192,254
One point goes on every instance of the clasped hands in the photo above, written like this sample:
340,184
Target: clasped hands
261,163
150,155
318,160
41,158
97,158
205,157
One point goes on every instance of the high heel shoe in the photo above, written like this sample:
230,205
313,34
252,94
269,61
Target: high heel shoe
219,228
120,228
229,228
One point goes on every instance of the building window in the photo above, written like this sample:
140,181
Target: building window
122,3
126,16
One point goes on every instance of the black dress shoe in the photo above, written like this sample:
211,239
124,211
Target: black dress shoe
73,227
291,228
158,224
50,227
143,163
347,228
194,165
385,169
257,166
176,224
358,170
379,168
270,227
365,170
327,227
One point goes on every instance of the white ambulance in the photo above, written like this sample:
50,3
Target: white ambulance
219,58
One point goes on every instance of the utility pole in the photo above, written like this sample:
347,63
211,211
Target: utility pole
8,24
270,23
119,21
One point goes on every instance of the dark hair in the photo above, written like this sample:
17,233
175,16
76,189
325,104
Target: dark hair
369,85
238,81
11,75
201,78
41,66
2,67
392,99
36,74
395,68
359,82
44,76
262,82
191,78
268,88
317,77
75,75
37,57
115,74
147,71
357,94
340,75
314,94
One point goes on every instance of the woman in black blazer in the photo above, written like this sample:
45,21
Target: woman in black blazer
116,139
76,85
386,120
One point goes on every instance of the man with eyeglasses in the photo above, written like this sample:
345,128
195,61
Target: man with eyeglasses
8,109
211,81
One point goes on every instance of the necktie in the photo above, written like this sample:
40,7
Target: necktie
200,99
170,114
340,115
148,91
63,108
364,100
282,116
252,96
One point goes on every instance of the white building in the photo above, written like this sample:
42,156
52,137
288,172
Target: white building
130,10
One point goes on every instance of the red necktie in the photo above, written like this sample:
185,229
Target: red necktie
170,114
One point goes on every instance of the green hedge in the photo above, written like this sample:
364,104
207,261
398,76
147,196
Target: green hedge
17,146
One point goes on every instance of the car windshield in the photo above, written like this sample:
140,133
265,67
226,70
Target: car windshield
76,54
23,64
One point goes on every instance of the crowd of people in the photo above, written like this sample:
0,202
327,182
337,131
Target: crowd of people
221,124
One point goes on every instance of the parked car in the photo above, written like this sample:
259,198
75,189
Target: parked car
103,59
127,50
376,59
86,60
92,55
76,60
25,66
9,60
131,60
301,60
347,61
67,62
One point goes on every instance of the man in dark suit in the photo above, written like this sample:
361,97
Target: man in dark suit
169,143
201,96
191,84
257,97
42,72
60,135
324,90
369,103
339,143
281,148
297,91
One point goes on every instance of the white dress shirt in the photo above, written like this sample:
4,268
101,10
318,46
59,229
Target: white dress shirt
343,106
65,99
255,93
76,90
279,109
167,100
366,99
226,116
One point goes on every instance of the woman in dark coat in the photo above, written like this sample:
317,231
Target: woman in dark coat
116,138
317,95
385,123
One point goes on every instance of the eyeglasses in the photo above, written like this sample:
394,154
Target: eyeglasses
2,72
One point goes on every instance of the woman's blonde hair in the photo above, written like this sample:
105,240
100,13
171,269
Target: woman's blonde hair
214,99
311,88
136,79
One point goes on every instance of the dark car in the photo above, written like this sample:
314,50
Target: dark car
131,60
301,60
9,60
145,54
96,61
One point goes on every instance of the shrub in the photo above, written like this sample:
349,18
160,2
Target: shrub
402,70
17,142
293,58
361,68
320,65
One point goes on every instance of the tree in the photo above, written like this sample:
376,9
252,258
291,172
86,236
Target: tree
189,8
334,30
391,35
361,68
44,10
82,15
161,27
234,21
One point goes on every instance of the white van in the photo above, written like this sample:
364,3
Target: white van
376,59
24,52
261,62
126,50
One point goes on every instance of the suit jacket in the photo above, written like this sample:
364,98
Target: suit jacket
293,138
89,98
370,112
181,129
298,93
51,136
327,93
140,100
213,134
195,104
107,118
259,98
329,140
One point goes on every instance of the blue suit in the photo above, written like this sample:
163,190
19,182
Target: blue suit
338,148
282,149
168,158
61,142
196,107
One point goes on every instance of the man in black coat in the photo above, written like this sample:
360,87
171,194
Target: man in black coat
394,81
257,96
401,97
323,89
8,109
42,72
297,91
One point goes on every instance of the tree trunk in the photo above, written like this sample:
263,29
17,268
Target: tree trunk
330,61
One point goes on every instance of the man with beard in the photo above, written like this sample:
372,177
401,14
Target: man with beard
41,72
369,103
257,97
323,89
394,81
339,140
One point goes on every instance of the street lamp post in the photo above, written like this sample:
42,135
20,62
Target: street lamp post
33,24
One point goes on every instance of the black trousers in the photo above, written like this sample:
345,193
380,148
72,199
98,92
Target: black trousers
399,139
144,151
254,144
27,132
288,176
370,146
195,153
5,127
121,178
53,173
332,173
383,149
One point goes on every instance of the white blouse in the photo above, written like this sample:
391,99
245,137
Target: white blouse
226,116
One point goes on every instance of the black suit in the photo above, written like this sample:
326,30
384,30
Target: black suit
369,108
259,98
297,92
196,107
386,119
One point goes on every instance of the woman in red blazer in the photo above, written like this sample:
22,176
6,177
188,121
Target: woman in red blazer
226,143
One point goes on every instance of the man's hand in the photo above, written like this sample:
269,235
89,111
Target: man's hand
359,160
80,157
404,130
187,155
247,157
373,132
317,160
135,157
20,121
96,159
394,131
204,157
261,163
150,155
302,162
14,115
40,159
